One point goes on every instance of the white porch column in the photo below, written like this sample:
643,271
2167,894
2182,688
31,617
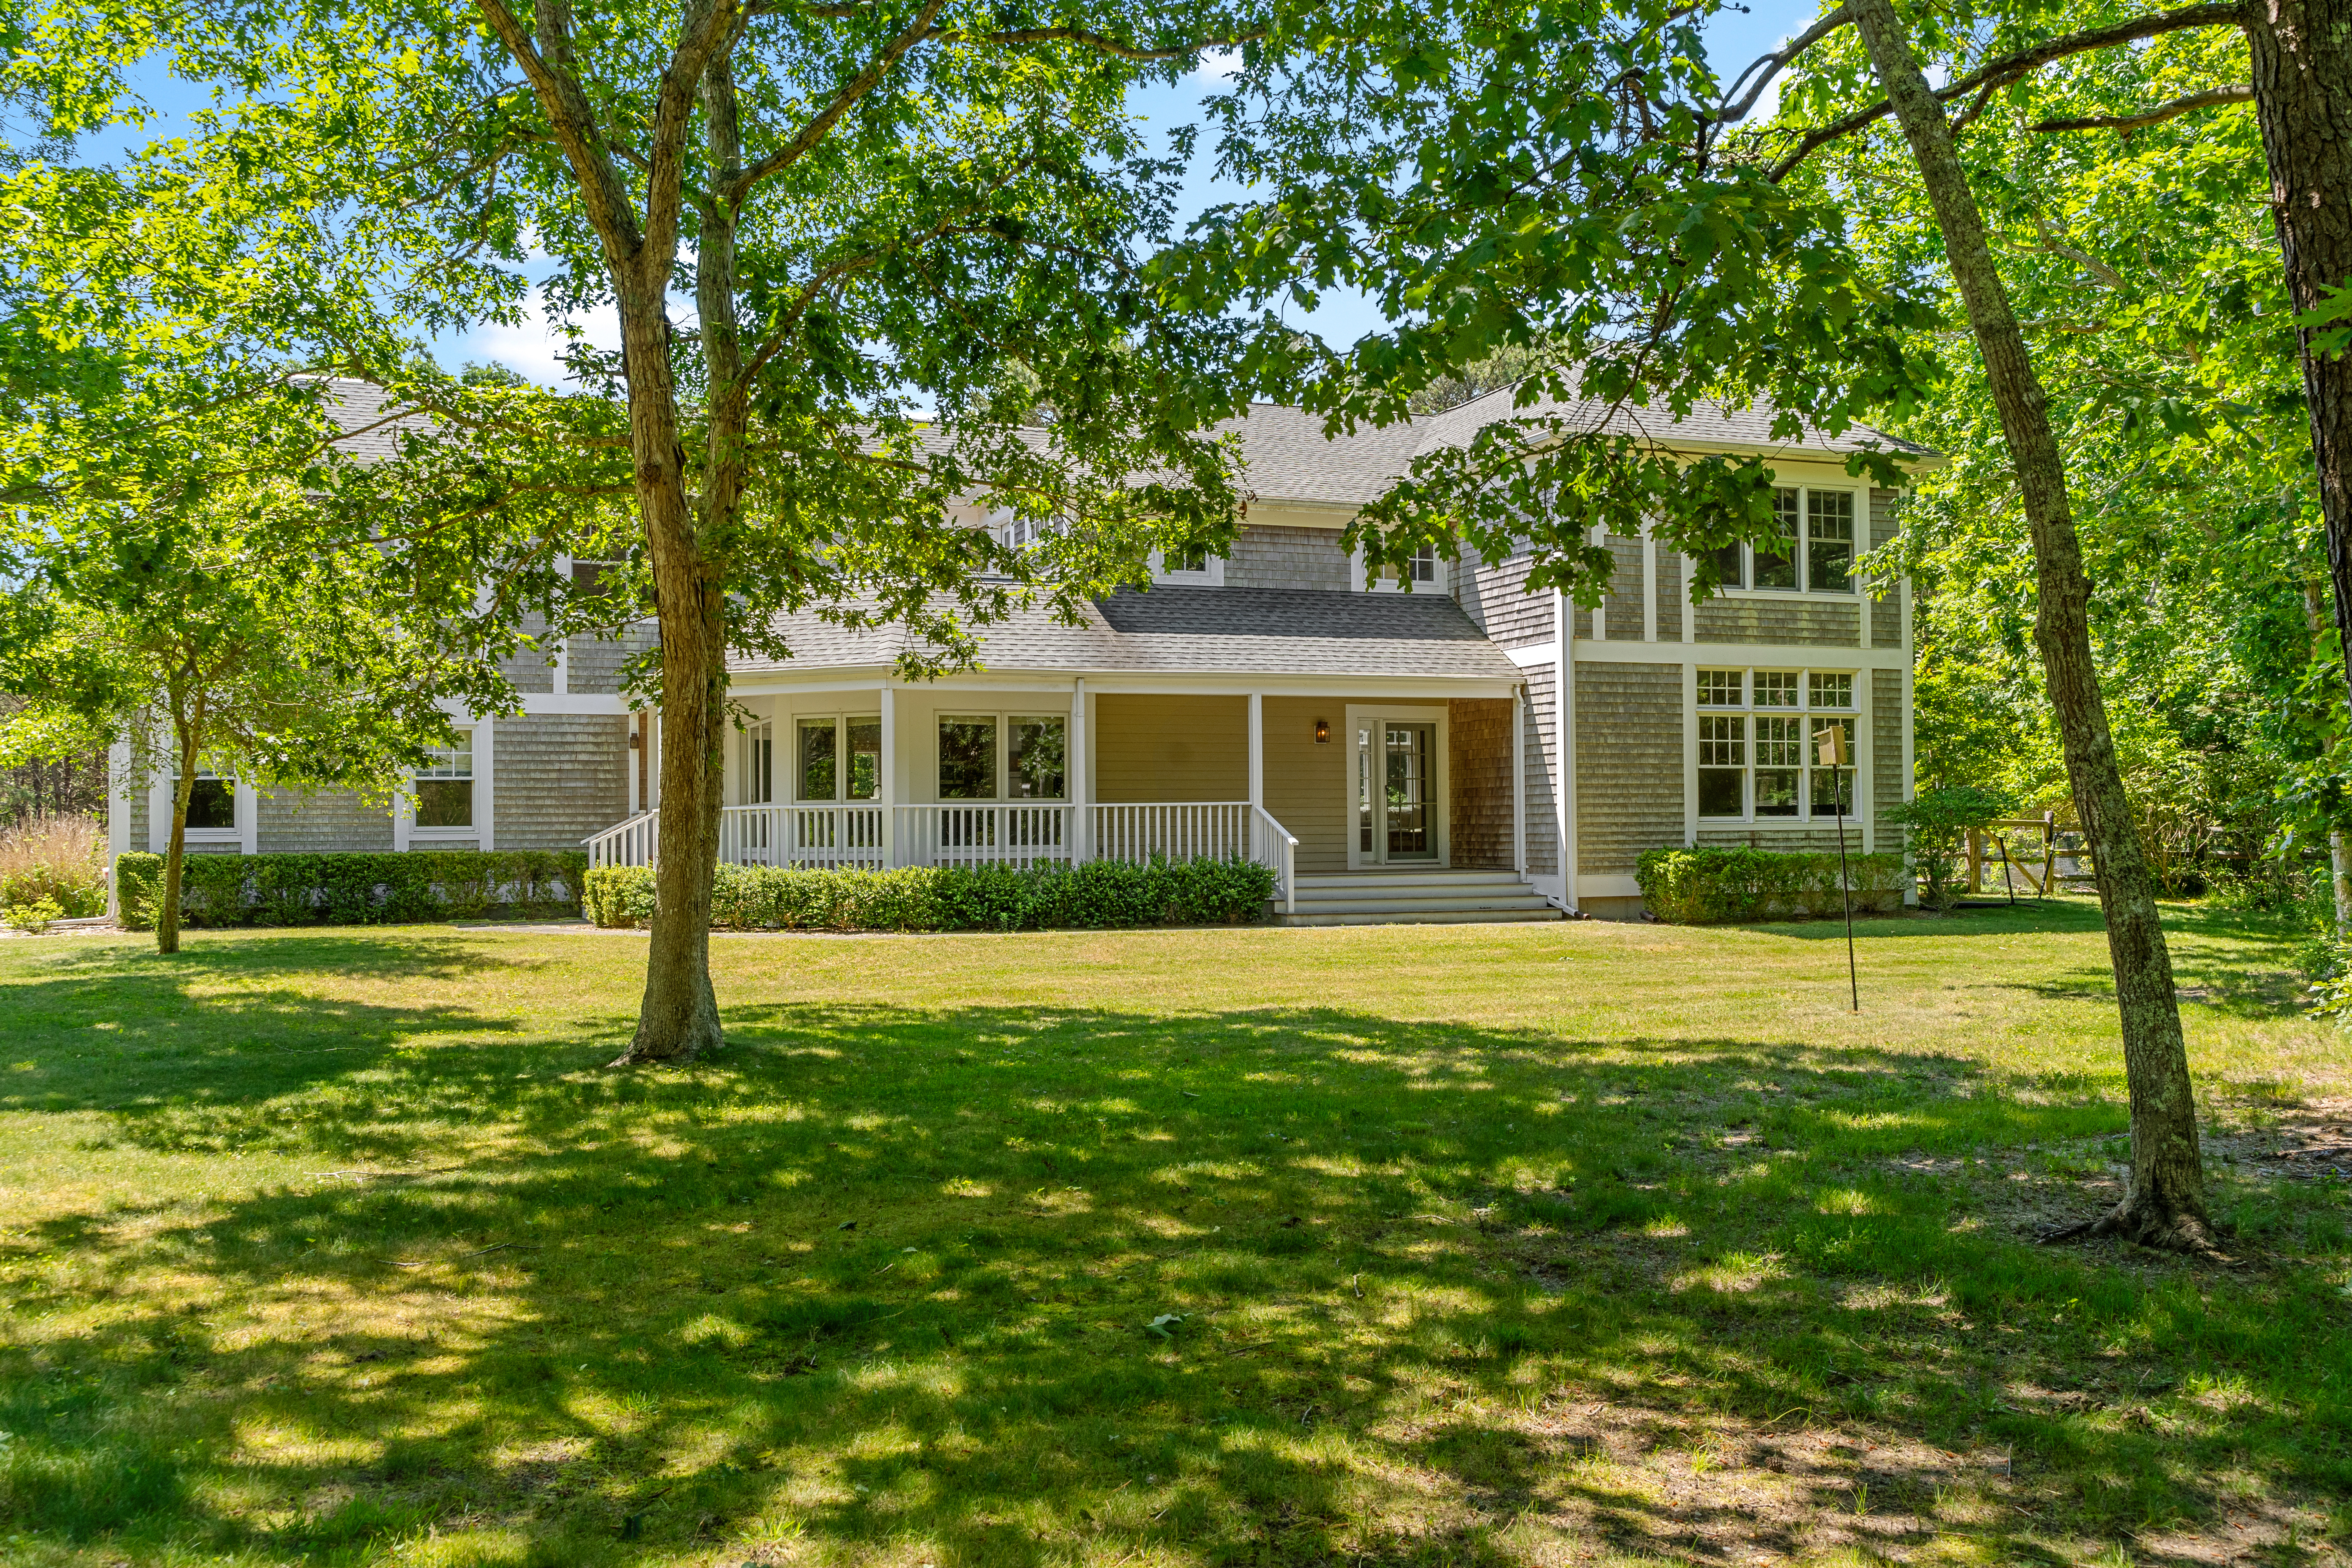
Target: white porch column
1074,773
1257,749
248,818
1563,710
117,817
404,814
887,786
1519,778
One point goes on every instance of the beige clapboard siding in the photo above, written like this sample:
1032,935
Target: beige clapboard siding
1306,784
1271,555
1629,763
1170,748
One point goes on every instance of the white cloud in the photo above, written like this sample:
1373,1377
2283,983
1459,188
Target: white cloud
533,346
1216,64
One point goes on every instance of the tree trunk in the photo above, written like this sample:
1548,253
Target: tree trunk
2302,52
2165,1205
678,1018
175,853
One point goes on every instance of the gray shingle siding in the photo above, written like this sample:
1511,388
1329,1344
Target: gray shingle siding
528,667
1629,763
1266,555
1887,751
594,667
1887,613
1810,840
1497,599
1672,597
319,822
1625,603
559,778
1543,816
1734,618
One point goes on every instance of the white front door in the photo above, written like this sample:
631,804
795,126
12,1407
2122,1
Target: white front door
1397,788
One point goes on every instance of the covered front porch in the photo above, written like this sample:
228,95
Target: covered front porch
1396,779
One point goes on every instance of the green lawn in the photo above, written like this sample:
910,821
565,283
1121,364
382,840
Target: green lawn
1524,1245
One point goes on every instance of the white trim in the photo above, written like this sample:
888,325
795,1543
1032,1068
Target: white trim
486,783
118,818
559,701
1074,776
1519,781
1770,655
1690,753
1440,789
1210,576
631,755
1533,655
887,786
1257,750
1858,715
1422,687
1360,581
1563,719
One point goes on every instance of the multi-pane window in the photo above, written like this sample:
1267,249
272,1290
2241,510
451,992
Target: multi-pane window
212,802
1758,743
1034,756
444,785
836,758
1812,550
759,764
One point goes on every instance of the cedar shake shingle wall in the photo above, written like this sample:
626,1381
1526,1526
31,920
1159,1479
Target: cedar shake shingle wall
595,663
1821,839
1885,614
1172,748
1306,784
1629,763
1673,599
1624,602
1478,781
1543,815
320,822
1735,618
1496,598
559,779
527,666
1272,556
1887,751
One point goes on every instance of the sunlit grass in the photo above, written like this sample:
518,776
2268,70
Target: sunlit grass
1460,1245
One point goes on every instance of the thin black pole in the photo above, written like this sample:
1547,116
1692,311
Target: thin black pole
1846,879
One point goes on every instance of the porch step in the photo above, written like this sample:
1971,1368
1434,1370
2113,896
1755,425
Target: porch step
1414,897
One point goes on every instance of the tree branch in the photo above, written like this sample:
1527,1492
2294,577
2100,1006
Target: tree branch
571,119
2241,92
1736,109
822,122
2012,67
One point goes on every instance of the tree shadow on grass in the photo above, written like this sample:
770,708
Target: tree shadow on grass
884,1279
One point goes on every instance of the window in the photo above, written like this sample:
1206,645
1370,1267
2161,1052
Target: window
444,786
1034,758
1813,552
759,764
1758,751
968,759
212,802
1196,567
836,758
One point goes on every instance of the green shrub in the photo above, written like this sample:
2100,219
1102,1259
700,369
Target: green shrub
32,919
1940,820
954,898
1716,887
353,889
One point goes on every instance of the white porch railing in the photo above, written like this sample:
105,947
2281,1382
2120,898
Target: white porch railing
977,833
849,836
822,837
631,841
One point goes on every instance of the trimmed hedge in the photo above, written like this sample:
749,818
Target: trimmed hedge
955,898
1716,887
353,889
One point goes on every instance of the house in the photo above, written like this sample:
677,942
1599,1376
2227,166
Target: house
1452,748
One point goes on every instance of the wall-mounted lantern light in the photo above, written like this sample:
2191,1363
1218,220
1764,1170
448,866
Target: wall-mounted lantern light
1322,732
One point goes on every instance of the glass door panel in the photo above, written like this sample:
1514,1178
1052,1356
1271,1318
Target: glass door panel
1409,763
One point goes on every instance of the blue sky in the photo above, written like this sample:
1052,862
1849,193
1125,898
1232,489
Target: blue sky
1734,38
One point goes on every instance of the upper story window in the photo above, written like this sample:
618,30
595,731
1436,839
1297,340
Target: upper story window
1196,568
1815,550
444,786
1424,571
1758,753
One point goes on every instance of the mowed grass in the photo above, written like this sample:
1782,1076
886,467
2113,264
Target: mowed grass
1511,1245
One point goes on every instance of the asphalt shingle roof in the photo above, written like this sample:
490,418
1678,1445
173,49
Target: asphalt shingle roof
1199,631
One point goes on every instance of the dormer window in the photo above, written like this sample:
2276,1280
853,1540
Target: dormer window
1195,568
1813,550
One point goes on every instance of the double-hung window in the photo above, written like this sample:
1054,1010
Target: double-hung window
759,764
837,758
212,802
1003,756
1812,550
1758,744
445,788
